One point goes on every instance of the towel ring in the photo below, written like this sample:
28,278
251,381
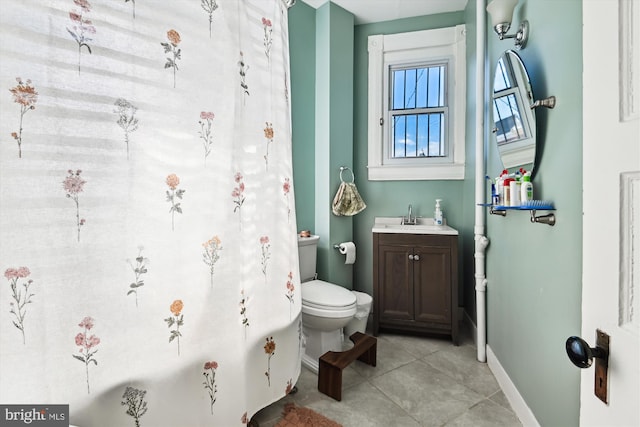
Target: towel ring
344,168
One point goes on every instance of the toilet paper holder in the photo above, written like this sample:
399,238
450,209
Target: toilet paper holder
349,250
336,246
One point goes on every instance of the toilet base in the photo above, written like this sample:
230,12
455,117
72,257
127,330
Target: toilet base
310,364
317,343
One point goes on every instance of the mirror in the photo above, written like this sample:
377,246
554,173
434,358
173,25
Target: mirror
514,121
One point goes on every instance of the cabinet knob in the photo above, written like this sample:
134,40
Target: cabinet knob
411,257
416,257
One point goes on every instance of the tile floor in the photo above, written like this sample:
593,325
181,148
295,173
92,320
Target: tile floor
418,381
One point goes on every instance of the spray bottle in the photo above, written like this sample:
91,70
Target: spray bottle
437,215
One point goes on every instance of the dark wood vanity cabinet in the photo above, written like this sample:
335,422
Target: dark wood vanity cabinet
415,283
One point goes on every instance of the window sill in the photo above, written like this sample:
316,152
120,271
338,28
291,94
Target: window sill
413,173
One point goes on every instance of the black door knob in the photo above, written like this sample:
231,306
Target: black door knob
581,354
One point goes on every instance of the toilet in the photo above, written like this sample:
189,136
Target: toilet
326,307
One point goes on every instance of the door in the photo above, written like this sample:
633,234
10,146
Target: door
432,277
396,282
611,204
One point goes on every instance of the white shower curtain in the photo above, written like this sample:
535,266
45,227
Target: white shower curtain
147,224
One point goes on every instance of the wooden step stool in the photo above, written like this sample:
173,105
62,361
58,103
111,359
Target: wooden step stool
332,363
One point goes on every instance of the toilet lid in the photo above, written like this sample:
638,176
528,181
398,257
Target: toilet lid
317,293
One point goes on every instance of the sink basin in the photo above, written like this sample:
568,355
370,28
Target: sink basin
422,226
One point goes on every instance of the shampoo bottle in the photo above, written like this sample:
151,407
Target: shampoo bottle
437,215
526,192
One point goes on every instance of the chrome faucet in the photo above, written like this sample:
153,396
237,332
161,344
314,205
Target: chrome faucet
409,220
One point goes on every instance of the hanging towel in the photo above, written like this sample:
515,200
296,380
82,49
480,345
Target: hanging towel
347,201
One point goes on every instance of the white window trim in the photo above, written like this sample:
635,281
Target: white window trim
450,41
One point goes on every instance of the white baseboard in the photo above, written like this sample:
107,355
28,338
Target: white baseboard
512,394
310,364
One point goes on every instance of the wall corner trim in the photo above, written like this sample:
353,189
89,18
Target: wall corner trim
520,407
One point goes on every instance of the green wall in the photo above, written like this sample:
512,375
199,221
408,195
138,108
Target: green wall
302,45
334,136
533,270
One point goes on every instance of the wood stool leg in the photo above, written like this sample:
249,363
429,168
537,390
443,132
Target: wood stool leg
330,380
369,356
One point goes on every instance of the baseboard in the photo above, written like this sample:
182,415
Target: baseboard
509,389
310,364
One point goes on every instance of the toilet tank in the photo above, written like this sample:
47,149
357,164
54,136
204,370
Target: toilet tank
307,252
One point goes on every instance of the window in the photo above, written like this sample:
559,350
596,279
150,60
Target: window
506,111
417,111
513,121
417,88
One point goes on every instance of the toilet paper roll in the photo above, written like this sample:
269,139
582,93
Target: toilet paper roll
348,249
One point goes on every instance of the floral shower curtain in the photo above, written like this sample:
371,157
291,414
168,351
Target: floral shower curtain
147,224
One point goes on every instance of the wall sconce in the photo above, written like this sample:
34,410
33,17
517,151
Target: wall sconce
501,12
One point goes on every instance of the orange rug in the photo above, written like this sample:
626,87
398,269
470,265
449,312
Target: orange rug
296,416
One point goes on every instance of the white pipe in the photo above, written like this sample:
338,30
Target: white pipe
480,239
481,286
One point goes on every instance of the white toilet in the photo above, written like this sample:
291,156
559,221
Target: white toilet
326,307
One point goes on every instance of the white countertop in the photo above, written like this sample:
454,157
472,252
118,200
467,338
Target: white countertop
394,224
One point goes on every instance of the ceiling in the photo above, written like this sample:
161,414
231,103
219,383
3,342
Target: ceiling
368,11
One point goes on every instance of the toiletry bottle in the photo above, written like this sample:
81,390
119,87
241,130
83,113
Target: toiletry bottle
515,188
501,187
437,215
526,192
507,193
515,196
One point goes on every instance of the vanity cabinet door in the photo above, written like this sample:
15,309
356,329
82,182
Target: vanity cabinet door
433,285
396,292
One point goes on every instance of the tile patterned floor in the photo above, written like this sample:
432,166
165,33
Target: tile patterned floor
417,382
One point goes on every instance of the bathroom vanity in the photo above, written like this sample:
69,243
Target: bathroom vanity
415,277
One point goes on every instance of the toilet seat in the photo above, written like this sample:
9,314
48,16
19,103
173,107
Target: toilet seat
324,299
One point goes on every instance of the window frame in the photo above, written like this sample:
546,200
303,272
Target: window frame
444,45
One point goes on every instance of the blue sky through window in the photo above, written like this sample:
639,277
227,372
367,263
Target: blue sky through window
417,104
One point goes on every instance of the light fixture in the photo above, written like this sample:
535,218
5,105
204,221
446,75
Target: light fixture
501,12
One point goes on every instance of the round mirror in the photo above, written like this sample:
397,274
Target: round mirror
514,121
